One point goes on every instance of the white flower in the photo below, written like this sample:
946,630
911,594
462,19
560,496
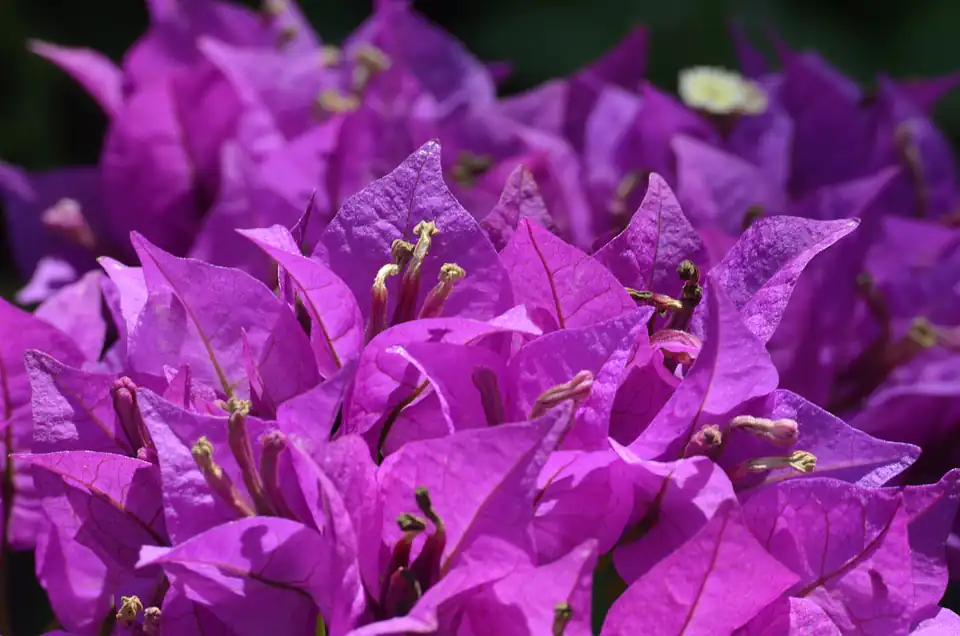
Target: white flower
720,92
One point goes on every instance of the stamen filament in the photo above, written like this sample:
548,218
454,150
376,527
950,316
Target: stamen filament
450,273
402,252
219,481
410,286
239,440
274,443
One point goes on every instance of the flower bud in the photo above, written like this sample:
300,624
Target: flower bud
123,392
576,390
782,432
274,443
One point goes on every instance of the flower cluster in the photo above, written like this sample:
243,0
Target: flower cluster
580,373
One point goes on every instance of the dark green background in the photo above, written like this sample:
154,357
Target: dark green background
46,121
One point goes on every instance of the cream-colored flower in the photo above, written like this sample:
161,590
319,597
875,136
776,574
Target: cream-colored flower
720,92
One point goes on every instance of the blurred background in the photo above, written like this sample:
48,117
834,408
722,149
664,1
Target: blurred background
46,120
